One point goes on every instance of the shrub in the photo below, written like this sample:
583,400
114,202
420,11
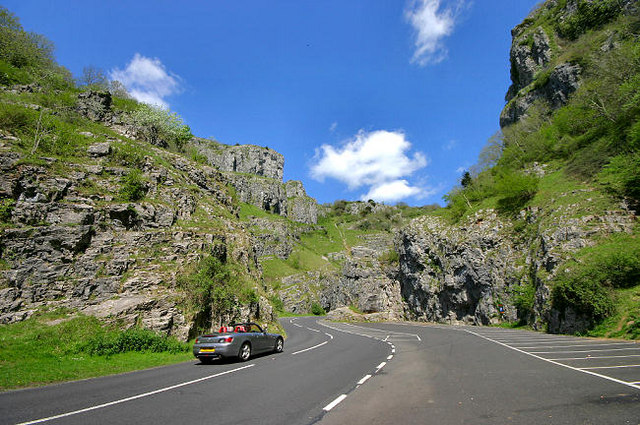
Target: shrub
589,14
584,295
6,208
621,177
515,189
159,126
317,310
214,286
133,186
134,339
524,299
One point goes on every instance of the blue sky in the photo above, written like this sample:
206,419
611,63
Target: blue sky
382,99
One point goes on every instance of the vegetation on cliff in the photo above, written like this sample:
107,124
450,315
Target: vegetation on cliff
587,148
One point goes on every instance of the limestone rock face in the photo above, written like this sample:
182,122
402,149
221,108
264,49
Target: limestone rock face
256,175
68,245
95,105
247,159
456,275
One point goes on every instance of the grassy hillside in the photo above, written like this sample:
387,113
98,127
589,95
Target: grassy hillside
580,160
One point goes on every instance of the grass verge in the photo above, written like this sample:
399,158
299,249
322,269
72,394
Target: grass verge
54,347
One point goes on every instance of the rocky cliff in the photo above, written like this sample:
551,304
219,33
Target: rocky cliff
256,174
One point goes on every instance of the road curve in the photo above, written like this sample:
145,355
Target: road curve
319,366
477,375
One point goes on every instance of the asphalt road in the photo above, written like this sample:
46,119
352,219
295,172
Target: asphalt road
372,373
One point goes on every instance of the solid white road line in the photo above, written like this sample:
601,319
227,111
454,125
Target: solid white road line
334,403
579,351
556,363
573,345
609,367
363,380
135,397
587,357
310,348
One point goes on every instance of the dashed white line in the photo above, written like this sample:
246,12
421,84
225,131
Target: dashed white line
390,357
380,366
363,380
135,397
313,330
334,403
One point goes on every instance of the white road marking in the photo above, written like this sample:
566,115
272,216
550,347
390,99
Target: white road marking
310,348
580,351
556,363
609,367
295,324
313,330
363,380
574,345
334,403
380,366
135,397
390,357
597,357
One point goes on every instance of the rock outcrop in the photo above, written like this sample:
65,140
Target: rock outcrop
256,175
73,245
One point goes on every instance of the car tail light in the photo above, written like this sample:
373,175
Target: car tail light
197,340
227,339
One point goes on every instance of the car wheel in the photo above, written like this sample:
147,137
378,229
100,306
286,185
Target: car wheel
279,346
245,352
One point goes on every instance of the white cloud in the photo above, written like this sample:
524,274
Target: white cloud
333,127
147,80
392,191
378,160
431,25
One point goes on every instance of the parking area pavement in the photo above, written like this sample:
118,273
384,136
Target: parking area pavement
614,360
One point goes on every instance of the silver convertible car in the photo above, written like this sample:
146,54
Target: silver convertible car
239,340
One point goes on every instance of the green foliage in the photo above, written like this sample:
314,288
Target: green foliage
317,310
589,15
26,57
524,298
134,339
48,347
133,186
277,303
588,285
390,257
6,208
621,177
213,285
515,190
584,295
159,126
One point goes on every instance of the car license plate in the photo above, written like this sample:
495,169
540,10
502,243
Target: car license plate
207,350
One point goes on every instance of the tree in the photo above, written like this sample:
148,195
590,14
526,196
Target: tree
94,77
466,179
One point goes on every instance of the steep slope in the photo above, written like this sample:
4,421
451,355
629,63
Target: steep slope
544,229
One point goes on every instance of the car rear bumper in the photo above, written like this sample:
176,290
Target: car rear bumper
215,350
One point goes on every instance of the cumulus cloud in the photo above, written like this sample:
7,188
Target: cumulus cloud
147,80
378,160
431,24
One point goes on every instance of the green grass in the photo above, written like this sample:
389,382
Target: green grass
625,322
51,347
